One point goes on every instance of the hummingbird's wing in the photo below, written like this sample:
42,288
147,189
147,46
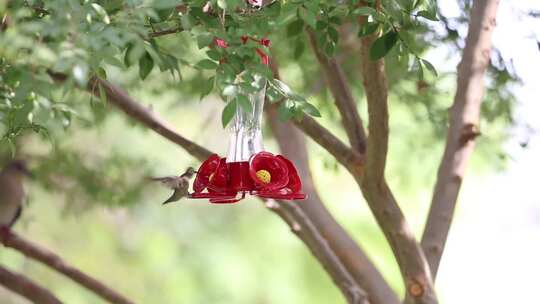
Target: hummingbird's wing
182,190
177,195
168,181
16,217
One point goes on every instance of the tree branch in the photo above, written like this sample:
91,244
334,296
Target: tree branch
55,262
165,32
297,219
355,262
409,255
307,231
26,288
337,82
462,130
349,158
119,98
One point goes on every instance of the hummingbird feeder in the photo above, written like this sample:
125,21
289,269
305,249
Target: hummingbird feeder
247,168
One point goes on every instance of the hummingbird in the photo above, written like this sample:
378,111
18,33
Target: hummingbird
180,184
12,195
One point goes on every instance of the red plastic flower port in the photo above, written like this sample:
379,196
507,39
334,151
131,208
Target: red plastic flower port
268,171
205,173
269,176
213,177
291,191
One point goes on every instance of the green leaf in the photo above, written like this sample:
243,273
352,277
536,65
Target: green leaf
101,73
213,54
418,3
244,103
207,86
299,49
429,66
102,94
206,64
133,53
365,11
228,113
309,18
295,28
286,110
146,64
383,45
101,12
204,40
310,109
428,15
420,69
333,34
368,29
330,48
222,4
282,87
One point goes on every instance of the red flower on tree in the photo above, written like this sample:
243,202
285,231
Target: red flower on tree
265,42
221,43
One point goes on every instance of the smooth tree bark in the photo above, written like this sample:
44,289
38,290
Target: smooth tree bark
371,180
406,249
462,130
52,260
345,103
26,288
292,143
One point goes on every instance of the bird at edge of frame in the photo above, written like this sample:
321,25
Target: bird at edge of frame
179,184
12,195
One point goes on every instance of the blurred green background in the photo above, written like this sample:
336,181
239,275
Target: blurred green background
112,224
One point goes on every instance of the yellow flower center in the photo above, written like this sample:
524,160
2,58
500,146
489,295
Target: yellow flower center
264,176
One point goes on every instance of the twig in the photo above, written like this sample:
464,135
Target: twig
339,86
26,288
55,262
156,34
462,130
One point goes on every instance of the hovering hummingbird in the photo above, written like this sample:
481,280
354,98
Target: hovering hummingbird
12,195
180,184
